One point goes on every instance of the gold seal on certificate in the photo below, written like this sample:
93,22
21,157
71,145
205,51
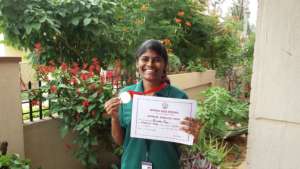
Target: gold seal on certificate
125,97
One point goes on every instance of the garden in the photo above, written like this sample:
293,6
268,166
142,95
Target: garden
83,53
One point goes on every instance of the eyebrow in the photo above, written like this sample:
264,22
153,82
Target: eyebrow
151,56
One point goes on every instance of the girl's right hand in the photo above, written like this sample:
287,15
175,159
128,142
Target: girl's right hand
112,107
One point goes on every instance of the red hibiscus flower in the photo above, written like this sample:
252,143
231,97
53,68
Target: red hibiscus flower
38,46
92,68
64,66
73,81
84,76
189,24
85,103
177,20
35,102
53,89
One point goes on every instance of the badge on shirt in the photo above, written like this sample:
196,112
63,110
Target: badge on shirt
146,165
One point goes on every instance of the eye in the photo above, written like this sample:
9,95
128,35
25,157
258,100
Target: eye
144,58
157,59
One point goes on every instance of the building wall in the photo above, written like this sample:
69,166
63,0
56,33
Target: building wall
11,124
193,83
274,128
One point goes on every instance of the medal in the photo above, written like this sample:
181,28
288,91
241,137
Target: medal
125,97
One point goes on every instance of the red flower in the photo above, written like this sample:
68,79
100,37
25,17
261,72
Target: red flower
109,74
35,102
64,66
74,70
53,89
92,68
85,103
97,68
177,20
85,66
84,76
73,81
95,61
189,24
50,69
38,46
91,74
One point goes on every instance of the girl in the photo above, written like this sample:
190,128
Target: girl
151,63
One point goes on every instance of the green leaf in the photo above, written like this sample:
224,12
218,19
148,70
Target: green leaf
87,21
93,96
64,130
79,109
28,29
75,21
43,19
91,107
96,20
36,26
93,159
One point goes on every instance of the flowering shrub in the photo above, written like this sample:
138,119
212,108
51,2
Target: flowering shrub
77,95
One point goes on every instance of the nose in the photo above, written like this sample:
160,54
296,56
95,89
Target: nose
150,62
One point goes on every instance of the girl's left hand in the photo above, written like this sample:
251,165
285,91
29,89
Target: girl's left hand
192,126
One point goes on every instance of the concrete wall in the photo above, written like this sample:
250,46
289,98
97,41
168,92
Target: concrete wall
274,128
45,147
11,124
193,83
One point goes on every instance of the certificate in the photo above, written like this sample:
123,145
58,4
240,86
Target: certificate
159,118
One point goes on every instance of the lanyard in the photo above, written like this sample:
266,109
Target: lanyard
147,142
154,89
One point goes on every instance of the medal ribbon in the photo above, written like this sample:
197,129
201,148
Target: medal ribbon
154,89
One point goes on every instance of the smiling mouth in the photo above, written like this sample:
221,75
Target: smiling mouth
149,71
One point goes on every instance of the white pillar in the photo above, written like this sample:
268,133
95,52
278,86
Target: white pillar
274,128
11,123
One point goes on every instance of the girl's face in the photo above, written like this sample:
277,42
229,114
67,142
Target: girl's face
151,66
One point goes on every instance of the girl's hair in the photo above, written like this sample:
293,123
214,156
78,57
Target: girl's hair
157,47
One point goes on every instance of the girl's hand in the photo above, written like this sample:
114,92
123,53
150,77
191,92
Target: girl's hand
112,107
192,126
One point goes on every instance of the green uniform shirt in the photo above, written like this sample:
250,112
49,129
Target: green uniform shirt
162,154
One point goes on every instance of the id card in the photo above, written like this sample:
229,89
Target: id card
146,165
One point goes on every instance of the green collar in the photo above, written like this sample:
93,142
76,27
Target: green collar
163,93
